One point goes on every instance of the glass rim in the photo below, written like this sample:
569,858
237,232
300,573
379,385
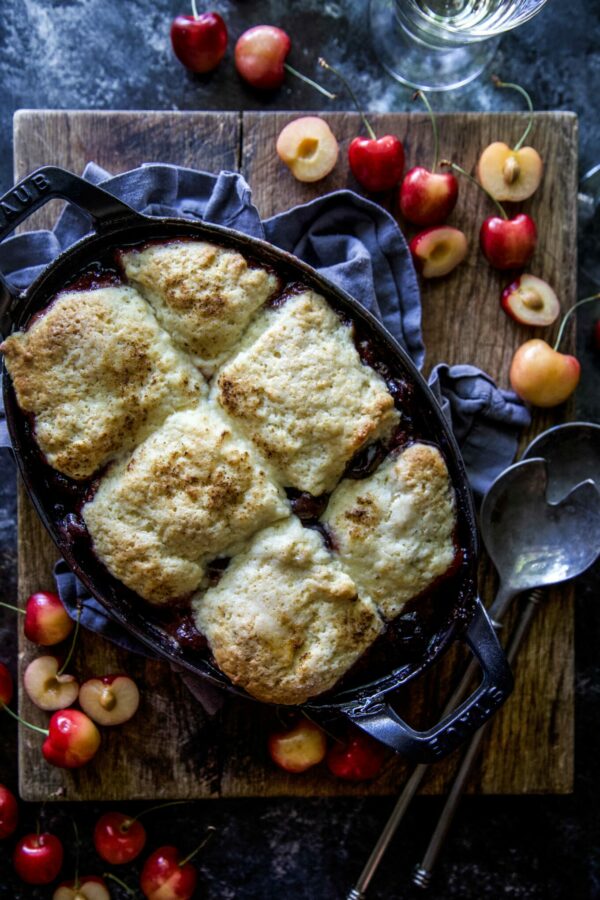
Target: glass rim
475,33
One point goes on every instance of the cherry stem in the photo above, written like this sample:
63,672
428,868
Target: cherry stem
127,825
436,139
195,9
346,83
118,881
55,795
322,728
73,642
568,315
209,833
521,90
461,171
77,849
318,87
14,608
18,718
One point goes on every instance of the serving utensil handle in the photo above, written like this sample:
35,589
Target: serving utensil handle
424,871
35,190
380,720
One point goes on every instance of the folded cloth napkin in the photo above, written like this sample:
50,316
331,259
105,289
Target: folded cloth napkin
353,242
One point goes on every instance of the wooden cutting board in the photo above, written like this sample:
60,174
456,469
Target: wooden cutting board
169,750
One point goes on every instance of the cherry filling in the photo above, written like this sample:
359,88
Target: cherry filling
96,276
187,635
306,506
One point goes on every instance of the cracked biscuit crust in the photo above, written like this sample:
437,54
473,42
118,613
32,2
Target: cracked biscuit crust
300,392
285,622
394,530
99,374
190,492
203,295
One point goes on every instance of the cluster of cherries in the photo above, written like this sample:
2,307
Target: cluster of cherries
200,42
118,839
72,738
355,757
539,373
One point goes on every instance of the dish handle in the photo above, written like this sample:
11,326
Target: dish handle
380,720
36,189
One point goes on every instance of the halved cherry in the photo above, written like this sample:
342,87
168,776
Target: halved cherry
110,699
46,687
511,174
437,251
530,301
88,887
308,147
299,748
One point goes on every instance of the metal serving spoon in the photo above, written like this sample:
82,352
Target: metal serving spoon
572,452
522,572
533,543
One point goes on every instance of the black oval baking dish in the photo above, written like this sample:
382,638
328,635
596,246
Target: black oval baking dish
367,704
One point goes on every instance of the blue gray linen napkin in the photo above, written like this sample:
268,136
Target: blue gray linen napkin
353,242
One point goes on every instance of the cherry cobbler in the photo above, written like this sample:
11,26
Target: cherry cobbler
243,454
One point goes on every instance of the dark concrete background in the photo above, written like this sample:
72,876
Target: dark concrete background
103,54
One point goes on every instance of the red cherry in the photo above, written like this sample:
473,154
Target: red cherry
164,878
6,685
358,758
38,858
46,620
119,838
9,812
377,163
72,740
199,42
508,243
427,198
260,55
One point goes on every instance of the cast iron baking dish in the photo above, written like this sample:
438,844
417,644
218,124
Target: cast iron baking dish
369,705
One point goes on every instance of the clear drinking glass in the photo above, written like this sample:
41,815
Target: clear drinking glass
441,44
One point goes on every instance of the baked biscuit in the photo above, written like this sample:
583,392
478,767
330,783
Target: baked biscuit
284,622
298,390
202,294
99,374
191,492
394,530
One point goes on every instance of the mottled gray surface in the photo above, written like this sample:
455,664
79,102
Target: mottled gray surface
102,54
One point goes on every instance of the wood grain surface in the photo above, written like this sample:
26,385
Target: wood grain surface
169,750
